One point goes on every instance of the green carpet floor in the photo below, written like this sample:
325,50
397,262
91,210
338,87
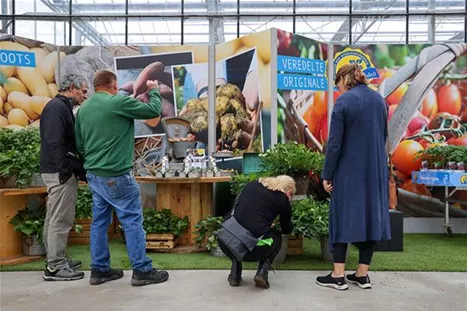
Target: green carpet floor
422,252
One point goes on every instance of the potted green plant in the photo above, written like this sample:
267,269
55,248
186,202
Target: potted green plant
30,222
319,227
295,160
81,232
240,180
19,158
204,230
162,228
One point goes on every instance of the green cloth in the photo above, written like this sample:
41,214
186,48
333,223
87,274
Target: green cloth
105,132
264,242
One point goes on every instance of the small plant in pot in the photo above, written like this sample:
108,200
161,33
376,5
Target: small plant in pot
30,222
239,181
295,160
83,208
162,228
319,227
204,230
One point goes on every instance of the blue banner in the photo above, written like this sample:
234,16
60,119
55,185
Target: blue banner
301,65
301,82
17,58
440,178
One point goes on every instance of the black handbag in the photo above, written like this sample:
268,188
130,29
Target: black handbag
235,237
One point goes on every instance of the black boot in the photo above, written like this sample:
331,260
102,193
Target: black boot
261,277
235,275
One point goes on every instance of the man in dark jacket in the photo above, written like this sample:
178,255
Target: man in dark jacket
60,167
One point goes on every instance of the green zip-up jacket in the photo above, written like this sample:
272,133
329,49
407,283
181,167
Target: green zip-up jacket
105,133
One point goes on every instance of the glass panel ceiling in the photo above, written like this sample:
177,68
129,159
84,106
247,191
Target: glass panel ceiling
327,20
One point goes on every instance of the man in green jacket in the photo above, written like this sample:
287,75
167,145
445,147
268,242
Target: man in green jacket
105,138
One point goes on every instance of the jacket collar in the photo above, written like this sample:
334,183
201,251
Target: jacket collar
67,100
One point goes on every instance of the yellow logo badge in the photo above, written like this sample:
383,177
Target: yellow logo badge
355,56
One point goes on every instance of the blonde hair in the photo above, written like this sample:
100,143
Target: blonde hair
282,183
351,74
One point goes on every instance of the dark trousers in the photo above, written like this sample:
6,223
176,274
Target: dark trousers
365,250
259,253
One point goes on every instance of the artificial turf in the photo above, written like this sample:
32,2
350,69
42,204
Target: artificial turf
422,252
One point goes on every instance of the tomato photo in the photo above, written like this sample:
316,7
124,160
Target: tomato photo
320,103
436,122
396,96
415,188
429,106
405,157
417,123
401,177
458,141
449,99
323,129
391,110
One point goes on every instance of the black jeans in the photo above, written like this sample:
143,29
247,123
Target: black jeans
365,250
259,253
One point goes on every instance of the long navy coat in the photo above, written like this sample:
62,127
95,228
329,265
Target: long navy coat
356,163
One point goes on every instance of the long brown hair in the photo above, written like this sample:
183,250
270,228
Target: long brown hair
352,75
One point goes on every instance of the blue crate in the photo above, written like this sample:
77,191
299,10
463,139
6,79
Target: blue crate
251,163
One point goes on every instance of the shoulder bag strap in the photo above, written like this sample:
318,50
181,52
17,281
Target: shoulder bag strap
237,198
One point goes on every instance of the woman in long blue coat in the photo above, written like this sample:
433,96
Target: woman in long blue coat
356,174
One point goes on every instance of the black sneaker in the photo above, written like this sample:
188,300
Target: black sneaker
65,274
152,277
74,264
362,281
99,277
330,281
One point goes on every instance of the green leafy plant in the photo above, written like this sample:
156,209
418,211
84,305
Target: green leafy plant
310,218
240,180
30,221
439,156
84,203
19,155
83,206
205,229
291,159
164,221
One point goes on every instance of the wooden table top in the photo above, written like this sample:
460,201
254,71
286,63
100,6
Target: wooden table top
141,179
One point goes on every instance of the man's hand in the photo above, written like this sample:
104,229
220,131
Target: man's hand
152,85
327,185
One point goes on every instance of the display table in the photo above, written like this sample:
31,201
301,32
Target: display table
192,197
11,201
456,180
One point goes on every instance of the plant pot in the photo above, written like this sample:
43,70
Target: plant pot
280,258
31,247
325,252
8,182
216,252
295,245
301,184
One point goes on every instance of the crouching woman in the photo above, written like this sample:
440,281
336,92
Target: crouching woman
257,206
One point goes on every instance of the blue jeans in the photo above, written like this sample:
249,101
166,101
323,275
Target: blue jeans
123,194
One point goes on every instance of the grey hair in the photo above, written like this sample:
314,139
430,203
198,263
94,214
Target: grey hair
72,80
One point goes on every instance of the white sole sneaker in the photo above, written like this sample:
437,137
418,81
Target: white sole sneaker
56,278
362,286
332,285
